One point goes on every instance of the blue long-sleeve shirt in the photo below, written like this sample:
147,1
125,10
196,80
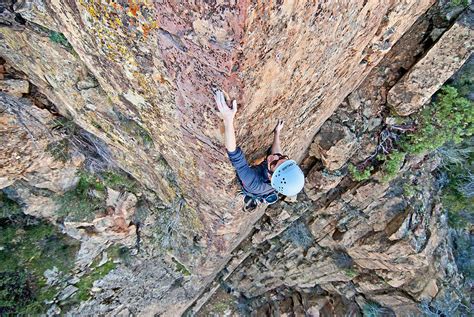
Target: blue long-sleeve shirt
254,179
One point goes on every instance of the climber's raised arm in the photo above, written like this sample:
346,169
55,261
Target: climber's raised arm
227,114
275,173
276,147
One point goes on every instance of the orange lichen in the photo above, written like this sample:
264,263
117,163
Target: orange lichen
148,27
133,7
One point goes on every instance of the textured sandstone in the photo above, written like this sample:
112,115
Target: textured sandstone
390,239
35,175
15,87
439,64
25,133
156,64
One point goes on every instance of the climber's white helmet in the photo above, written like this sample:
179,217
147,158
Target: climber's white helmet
288,178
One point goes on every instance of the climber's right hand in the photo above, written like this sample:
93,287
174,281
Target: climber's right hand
227,114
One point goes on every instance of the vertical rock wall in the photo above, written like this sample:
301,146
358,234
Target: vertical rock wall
140,75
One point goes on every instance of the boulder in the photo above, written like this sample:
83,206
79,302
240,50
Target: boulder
334,145
435,68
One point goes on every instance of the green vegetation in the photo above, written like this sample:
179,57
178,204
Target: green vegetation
360,175
351,273
80,204
457,177
221,307
118,181
449,118
85,284
392,164
87,198
181,268
409,190
28,248
59,38
456,3
67,125
59,150
8,207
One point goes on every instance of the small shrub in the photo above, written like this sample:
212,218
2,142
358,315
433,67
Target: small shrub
360,175
28,248
8,207
409,190
181,268
449,118
15,291
392,165
452,154
457,3
457,188
220,308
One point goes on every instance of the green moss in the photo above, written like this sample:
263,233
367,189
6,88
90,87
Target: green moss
360,175
220,307
119,181
181,268
391,166
82,202
8,207
351,272
409,190
79,204
27,249
85,284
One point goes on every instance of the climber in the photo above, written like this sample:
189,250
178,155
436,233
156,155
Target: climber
275,174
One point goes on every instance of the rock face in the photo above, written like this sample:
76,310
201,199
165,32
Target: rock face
442,61
344,245
26,133
140,77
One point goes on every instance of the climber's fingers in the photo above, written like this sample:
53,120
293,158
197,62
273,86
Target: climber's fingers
217,98
223,103
222,106
279,125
